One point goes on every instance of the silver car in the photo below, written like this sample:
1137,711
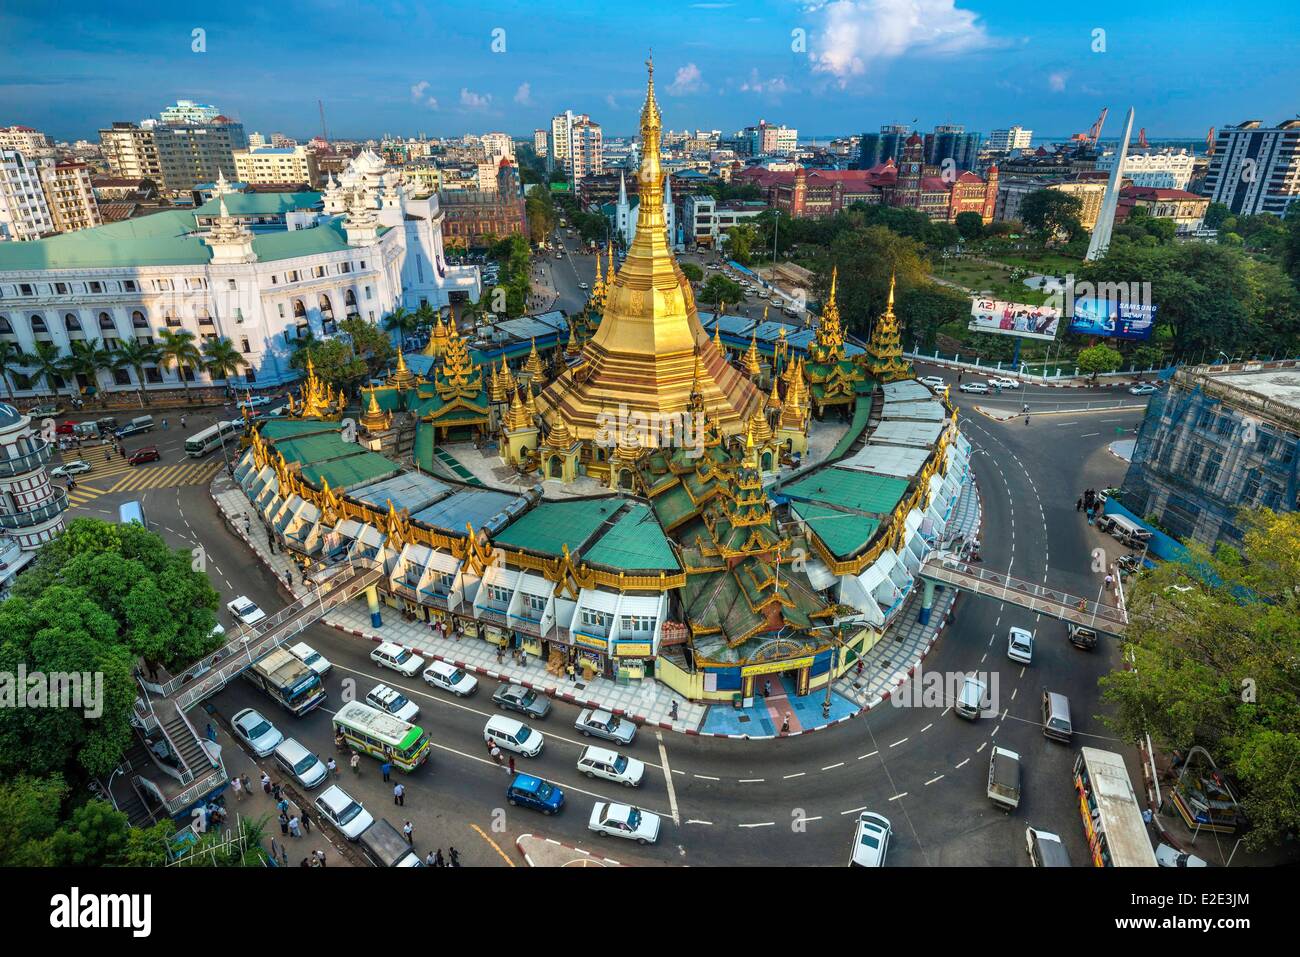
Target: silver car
605,724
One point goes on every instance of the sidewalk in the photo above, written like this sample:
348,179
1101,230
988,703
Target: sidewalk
646,702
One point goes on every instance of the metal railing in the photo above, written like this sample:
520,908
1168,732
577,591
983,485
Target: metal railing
29,462
56,506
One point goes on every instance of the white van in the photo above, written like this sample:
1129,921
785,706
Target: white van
307,769
513,735
391,701
597,762
1126,530
970,698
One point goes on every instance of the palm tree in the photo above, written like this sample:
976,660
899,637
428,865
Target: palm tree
401,322
87,358
425,316
222,359
44,361
135,355
177,349
10,356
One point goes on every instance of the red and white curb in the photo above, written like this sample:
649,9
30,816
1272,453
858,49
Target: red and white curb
568,847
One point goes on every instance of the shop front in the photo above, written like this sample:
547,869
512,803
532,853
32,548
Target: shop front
589,655
767,673
634,660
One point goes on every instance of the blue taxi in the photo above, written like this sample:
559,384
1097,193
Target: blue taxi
528,791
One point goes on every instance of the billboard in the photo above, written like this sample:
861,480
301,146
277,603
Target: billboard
1014,319
1133,321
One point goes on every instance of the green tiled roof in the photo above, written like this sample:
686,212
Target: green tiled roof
635,542
422,451
328,237
861,416
310,449
844,533
351,471
851,489
549,525
281,428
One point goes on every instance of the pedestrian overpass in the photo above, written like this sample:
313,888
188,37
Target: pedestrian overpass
945,568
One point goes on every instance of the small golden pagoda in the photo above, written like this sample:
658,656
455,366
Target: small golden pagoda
518,433
437,339
315,400
401,377
833,378
559,454
884,356
533,366
457,377
641,357
752,363
774,397
508,383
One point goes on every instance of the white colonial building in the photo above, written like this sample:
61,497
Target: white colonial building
260,269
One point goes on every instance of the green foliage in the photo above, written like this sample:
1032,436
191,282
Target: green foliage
541,215
29,817
970,225
335,362
1147,357
1291,252
1051,212
369,342
742,243
514,283
1215,214
866,258
1213,664
1099,358
718,288
35,833
692,271
925,308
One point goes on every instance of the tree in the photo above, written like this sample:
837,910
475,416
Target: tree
10,357
401,323
1052,212
1215,214
866,258
177,349
741,243
1099,358
335,362
29,817
692,271
46,363
86,358
925,309
1291,254
1147,357
540,212
970,225
1213,665
135,355
222,360
718,288
369,343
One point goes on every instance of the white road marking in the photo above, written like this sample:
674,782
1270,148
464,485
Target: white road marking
832,767
963,763
761,824
694,821
871,755
897,743
853,810
983,745
927,727
932,780
668,777
752,780
797,775
897,796
707,777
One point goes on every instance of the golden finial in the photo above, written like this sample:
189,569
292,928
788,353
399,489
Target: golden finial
890,308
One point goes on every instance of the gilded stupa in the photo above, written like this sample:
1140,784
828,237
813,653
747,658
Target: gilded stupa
641,359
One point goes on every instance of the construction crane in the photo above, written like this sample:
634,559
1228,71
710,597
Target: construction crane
1209,142
1094,132
324,133
1142,139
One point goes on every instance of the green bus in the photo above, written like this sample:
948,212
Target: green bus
382,736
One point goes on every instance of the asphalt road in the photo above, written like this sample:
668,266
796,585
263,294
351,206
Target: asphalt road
790,801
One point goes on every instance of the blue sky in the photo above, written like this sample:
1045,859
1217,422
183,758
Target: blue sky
406,67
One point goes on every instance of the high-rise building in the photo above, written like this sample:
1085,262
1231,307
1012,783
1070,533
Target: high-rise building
269,166
1255,169
69,195
539,142
1159,169
577,146
24,213
952,143
31,143
177,156
187,111
767,140
131,152
1013,138
877,148
498,146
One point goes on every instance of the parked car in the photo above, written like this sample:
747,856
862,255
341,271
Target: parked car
49,408
146,453
931,381
1002,382
1142,388
511,697
391,701
254,402
306,768
871,840
597,762
67,469
605,724
312,658
1168,856
245,610
979,388
255,731
623,820
439,674
528,791
402,660
337,807
1020,645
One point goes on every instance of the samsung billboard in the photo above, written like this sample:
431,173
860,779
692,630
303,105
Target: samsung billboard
1132,321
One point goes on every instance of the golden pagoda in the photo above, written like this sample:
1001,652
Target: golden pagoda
507,377
496,391
457,378
752,363
774,398
315,400
375,419
437,338
401,377
884,355
598,287
534,366
834,379
641,357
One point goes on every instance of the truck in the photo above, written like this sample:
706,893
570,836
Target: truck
1081,637
386,847
1004,779
286,679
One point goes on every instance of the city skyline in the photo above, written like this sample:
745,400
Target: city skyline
79,68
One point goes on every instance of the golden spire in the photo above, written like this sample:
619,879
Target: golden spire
507,377
610,272
531,405
402,377
559,437
717,338
374,419
495,392
889,309
517,417
884,353
534,365
597,287
774,400
752,363
437,338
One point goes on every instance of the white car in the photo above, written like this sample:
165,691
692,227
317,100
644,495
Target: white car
1142,388
979,388
1003,382
931,381
67,469
256,732
1169,856
254,402
623,820
597,762
402,660
582,285
871,840
391,701
312,658
439,674
307,769
344,813
245,611
1020,646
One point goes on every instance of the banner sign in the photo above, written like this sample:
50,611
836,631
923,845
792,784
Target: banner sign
1119,320
1014,319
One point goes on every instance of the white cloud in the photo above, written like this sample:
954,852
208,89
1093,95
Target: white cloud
770,87
610,101
1056,81
419,97
854,35
524,95
474,101
688,80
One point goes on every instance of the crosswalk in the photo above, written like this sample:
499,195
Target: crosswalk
117,476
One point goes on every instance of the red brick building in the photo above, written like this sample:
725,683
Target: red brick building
473,217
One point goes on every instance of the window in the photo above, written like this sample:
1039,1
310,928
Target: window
1212,466
106,322
71,323
637,623
110,342
596,620
231,284
38,325
121,377
5,328
536,603
498,595
243,344
128,285
61,288
24,289
96,286
250,375
138,320
152,374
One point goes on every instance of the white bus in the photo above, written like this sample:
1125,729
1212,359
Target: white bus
1112,818
215,436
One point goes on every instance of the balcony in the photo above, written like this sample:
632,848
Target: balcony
33,460
56,506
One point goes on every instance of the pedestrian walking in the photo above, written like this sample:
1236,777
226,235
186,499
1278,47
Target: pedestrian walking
672,711
399,794
1110,582
182,421
333,768
409,830
496,754
437,859
275,851
767,688
340,742
1026,418
355,762
386,769
785,723
295,826
454,855
266,783
320,856
164,425
284,823
108,455
501,655
284,855
512,764
282,806
306,820
248,785
1078,506
237,786
277,792
430,860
